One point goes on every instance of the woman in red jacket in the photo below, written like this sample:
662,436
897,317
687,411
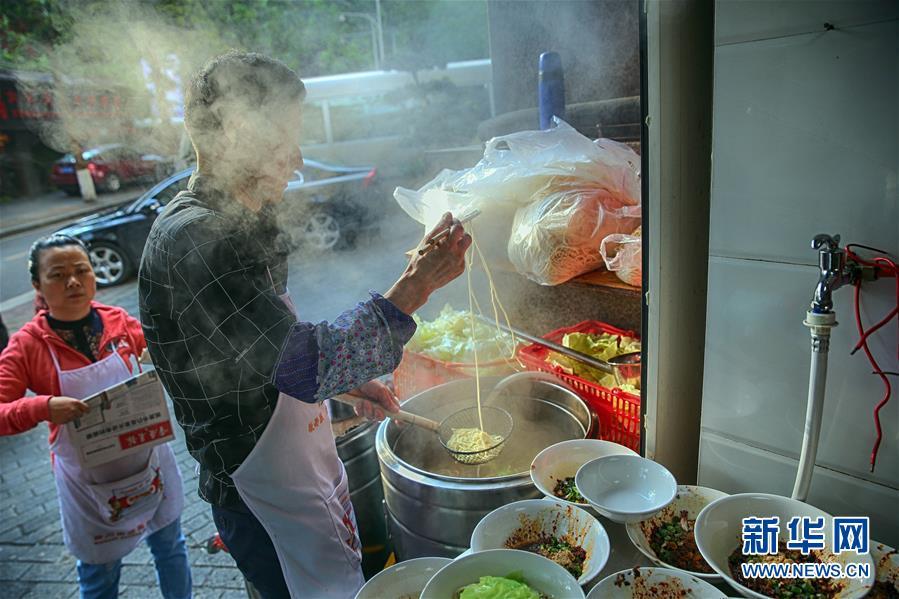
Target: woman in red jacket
66,353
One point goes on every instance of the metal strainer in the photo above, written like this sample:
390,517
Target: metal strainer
497,423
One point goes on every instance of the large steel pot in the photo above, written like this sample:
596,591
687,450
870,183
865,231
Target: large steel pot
433,503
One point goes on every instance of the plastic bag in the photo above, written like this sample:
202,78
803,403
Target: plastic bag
514,169
623,255
555,239
445,193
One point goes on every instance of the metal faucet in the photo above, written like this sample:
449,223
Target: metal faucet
835,271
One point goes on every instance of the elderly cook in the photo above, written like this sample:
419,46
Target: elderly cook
246,377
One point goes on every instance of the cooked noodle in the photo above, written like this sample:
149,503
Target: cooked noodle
475,445
497,308
474,346
470,440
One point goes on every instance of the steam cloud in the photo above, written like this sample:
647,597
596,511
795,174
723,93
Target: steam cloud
141,63
117,79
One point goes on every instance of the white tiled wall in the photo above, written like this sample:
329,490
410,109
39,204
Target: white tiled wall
755,383
736,467
805,141
750,20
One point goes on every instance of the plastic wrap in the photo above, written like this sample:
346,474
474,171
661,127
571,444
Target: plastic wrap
557,237
623,255
523,169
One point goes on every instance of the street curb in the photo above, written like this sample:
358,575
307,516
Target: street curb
52,220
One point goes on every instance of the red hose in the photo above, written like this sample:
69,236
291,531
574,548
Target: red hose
884,267
873,329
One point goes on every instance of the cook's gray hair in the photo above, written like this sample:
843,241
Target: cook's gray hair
236,80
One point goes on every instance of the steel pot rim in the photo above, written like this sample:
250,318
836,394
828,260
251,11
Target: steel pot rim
395,463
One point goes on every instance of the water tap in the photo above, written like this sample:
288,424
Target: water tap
835,271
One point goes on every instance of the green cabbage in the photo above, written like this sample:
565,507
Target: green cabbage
496,587
604,347
449,338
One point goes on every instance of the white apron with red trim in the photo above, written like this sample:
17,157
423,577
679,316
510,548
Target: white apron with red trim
295,484
107,510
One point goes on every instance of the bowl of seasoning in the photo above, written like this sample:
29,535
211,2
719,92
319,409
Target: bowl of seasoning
719,536
886,564
653,583
553,469
565,534
667,537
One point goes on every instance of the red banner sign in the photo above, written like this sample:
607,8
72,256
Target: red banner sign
144,435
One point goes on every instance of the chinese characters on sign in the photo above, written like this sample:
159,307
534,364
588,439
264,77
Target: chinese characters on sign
41,103
146,435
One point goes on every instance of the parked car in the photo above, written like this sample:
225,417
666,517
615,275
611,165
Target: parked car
325,207
111,166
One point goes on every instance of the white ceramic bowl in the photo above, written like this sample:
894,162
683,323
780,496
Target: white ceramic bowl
559,461
690,499
719,530
406,578
544,516
541,574
626,488
653,583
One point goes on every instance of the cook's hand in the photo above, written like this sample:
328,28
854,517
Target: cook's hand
378,398
441,264
145,357
65,409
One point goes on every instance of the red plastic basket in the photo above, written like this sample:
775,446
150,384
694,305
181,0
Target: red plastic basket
418,372
618,412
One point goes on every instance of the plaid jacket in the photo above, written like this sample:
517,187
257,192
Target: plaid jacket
225,344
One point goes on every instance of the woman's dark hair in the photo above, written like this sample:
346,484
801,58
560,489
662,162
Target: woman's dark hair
45,243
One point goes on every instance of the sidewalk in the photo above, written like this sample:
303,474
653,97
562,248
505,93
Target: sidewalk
34,563
25,213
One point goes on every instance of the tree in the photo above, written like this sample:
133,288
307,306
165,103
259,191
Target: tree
27,27
306,34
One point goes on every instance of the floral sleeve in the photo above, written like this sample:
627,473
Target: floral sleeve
323,360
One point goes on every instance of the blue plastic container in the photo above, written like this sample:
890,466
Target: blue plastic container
550,89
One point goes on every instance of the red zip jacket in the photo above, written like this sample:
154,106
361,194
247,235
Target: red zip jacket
26,364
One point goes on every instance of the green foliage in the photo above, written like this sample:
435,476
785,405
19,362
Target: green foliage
306,34
434,33
27,27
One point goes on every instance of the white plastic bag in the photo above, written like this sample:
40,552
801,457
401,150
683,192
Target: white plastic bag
518,170
555,239
445,193
623,255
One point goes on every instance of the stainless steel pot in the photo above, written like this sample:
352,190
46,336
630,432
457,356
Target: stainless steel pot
433,503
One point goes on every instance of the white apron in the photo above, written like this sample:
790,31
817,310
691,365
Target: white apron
107,510
295,484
